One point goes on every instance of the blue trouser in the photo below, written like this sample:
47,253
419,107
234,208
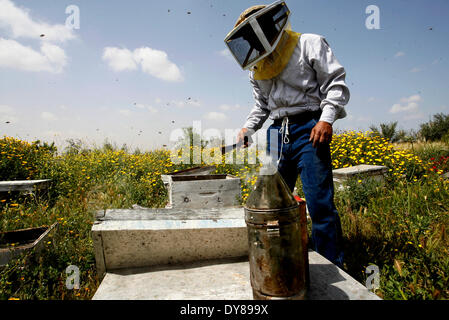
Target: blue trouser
314,165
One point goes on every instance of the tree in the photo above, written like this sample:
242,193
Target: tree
189,137
387,131
75,146
435,129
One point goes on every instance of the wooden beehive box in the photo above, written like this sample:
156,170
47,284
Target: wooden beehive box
23,240
196,188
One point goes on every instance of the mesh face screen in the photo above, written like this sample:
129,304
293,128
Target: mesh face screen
245,45
272,22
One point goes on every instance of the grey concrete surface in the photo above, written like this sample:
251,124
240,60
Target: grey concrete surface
23,185
171,214
146,237
220,279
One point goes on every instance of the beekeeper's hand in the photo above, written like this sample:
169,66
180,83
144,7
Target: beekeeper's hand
321,133
241,137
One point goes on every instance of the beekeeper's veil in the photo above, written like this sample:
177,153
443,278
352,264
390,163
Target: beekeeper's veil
262,39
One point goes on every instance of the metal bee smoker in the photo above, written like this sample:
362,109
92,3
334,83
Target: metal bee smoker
277,236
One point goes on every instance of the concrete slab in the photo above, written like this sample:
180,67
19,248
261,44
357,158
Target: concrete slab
147,237
223,279
24,185
171,214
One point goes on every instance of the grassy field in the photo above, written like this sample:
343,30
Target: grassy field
401,226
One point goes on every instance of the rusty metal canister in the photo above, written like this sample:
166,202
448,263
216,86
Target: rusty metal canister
277,238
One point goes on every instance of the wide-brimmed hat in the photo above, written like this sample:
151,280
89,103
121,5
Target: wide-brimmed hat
245,14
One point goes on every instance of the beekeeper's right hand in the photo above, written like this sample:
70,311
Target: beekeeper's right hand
241,137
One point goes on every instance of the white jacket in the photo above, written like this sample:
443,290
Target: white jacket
312,79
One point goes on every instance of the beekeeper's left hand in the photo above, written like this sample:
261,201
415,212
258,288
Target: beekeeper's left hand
321,133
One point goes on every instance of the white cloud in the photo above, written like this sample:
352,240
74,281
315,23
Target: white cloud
227,107
178,103
406,104
152,109
124,112
156,63
184,103
414,98
55,56
215,116
399,54
119,59
20,25
148,107
412,106
194,103
51,58
225,53
7,114
48,116
371,99
153,62
415,69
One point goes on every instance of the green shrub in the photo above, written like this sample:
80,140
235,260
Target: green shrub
387,131
21,160
402,227
359,192
435,129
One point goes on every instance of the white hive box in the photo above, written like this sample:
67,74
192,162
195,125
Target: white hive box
362,171
196,188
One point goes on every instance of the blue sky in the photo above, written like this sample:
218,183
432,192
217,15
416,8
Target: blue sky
109,79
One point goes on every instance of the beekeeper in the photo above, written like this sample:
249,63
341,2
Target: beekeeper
299,84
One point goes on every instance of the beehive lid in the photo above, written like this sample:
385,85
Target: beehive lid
364,169
196,171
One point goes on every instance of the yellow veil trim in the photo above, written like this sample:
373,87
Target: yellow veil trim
273,64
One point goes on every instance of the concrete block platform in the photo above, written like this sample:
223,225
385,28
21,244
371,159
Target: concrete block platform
24,185
146,237
191,254
220,279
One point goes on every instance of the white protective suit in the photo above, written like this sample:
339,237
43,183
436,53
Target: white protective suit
312,79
